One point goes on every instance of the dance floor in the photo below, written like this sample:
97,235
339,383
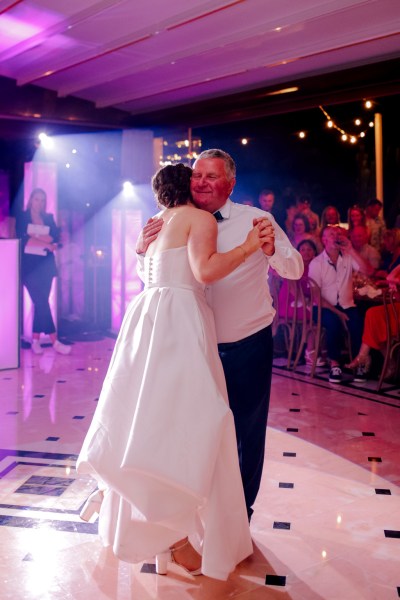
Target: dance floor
326,522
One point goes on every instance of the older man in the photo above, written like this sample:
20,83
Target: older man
333,271
242,306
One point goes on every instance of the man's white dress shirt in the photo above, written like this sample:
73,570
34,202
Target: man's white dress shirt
335,281
241,302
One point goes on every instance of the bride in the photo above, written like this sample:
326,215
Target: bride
162,442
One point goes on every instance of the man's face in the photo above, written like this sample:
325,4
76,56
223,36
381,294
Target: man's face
329,239
267,201
210,185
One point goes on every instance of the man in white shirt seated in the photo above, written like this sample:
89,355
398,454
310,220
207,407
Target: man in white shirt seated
332,270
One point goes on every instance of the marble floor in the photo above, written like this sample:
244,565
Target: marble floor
326,522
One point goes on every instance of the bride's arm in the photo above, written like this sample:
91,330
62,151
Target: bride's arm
206,263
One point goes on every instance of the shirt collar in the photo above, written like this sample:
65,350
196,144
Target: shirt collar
225,210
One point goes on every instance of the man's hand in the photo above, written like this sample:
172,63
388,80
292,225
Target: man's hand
148,234
266,230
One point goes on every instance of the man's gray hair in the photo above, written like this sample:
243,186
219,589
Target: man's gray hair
230,167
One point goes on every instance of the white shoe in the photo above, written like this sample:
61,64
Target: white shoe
36,347
92,505
61,348
309,356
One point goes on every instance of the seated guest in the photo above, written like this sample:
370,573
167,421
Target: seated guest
391,251
356,216
375,330
300,231
332,270
330,216
375,223
359,239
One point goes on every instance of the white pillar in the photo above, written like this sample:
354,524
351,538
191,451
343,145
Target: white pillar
378,156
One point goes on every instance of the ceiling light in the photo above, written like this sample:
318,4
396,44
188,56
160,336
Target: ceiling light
288,90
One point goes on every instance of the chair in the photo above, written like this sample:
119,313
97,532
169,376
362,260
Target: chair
311,322
311,325
393,332
286,316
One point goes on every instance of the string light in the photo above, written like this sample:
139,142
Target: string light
345,136
244,141
302,135
368,104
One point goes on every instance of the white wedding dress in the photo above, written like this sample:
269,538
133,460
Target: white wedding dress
162,440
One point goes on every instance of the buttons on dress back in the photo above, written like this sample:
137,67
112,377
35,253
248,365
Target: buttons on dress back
151,269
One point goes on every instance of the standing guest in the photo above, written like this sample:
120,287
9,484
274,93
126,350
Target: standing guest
375,223
162,440
267,202
242,307
359,239
303,205
39,237
330,216
356,216
332,270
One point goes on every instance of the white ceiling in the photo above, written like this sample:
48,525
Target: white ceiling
148,55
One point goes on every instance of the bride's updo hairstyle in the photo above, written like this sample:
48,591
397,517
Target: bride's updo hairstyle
171,185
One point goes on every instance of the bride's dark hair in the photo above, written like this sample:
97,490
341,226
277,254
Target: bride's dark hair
171,185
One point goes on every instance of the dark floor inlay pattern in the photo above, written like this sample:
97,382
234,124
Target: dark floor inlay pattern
275,580
374,459
28,523
78,417
368,433
383,491
294,410
12,412
45,486
281,525
289,454
398,591
283,484
28,557
52,439
39,396
61,381
362,414
292,429
391,533
295,394
148,568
